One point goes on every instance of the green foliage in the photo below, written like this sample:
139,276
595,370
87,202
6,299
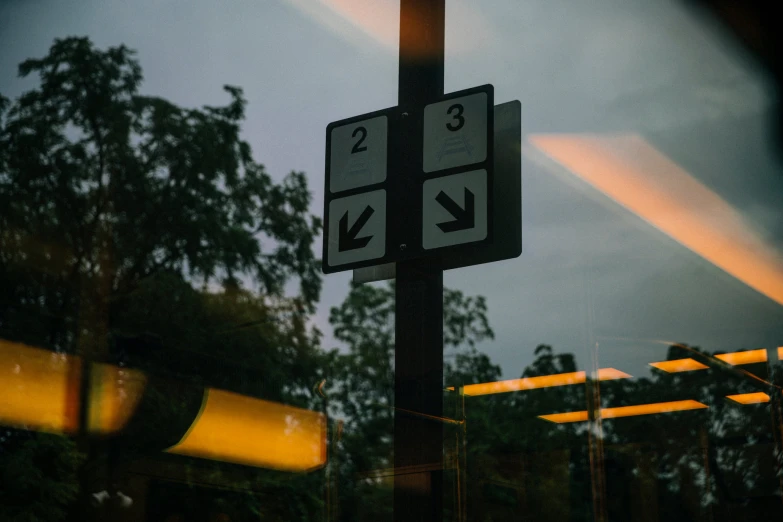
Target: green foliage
360,382
38,476
232,340
363,378
143,233
101,187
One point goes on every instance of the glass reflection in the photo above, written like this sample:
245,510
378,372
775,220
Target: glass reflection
41,391
679,444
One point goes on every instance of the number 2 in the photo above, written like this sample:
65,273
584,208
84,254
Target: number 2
356,147
459,117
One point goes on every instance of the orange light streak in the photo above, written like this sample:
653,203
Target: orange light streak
544,381
650,409
561,418
626,411
748,357
749,398
376,18
637,176
379,20
679,365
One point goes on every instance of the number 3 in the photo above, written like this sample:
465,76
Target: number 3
356,148
460,119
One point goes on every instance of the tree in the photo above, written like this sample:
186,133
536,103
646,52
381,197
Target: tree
38,477
124,215
360,383
101,187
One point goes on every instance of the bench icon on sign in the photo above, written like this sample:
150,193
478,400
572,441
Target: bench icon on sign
357,168
455,145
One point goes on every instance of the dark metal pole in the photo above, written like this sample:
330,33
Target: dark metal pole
418,442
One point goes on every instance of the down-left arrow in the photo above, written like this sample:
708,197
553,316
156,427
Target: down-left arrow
347,237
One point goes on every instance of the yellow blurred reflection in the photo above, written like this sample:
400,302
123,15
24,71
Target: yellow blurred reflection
627,411
544,381
748,357
114,394
244,430
39,389
749,398
679,365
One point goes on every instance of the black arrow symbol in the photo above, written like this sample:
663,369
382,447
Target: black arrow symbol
347,238
464,218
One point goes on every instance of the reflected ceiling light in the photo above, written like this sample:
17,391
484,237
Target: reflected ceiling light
649,409
780,353
679,365
114,394
244,430
609,374
379,20
40,390
637,176
748,357
749,398
560,418
626,411
544,381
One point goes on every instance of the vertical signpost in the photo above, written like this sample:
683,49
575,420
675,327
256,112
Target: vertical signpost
418,352
414,187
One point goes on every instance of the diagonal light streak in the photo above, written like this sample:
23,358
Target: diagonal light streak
637,176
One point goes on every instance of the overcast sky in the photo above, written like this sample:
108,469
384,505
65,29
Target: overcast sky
590,269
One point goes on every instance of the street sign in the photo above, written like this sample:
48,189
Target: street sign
507,189
455,209
456,132
410,182
358,154
506,194
357,228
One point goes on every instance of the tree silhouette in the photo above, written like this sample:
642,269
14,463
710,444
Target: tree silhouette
102,187
137,232
361,386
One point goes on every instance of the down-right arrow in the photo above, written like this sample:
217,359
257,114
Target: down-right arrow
465,218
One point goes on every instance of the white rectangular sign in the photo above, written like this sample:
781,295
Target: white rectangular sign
357,228
358,154
404,183
455,209
455,132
